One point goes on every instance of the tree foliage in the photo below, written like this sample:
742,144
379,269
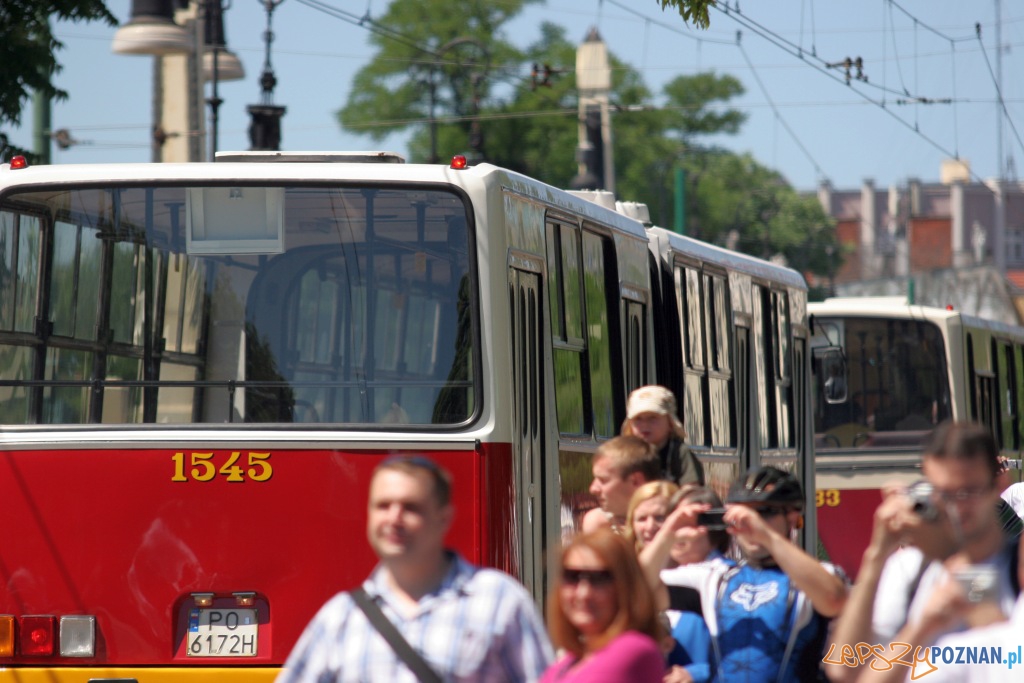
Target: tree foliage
692,11
432,62
28,50
529,124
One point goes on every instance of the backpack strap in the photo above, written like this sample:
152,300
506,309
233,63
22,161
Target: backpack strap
912,588
413,659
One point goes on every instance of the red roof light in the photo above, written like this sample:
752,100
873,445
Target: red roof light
459,162
19,162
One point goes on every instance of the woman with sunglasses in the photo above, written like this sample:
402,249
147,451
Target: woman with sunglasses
602,615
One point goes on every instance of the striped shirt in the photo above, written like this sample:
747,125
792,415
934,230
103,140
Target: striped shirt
479,626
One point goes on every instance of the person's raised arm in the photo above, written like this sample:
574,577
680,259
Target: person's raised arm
826,591
654,556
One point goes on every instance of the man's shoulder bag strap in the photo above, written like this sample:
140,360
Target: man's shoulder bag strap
414,660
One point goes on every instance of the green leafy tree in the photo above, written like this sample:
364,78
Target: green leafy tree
650,145
530,125
534,132
740,204
692,11
28,51
434,63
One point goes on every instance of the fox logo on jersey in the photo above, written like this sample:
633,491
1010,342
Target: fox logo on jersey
751,596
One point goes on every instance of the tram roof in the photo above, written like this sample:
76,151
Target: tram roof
314,167
900,307
731,260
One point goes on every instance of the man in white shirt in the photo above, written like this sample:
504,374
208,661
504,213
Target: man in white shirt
469,624
952,514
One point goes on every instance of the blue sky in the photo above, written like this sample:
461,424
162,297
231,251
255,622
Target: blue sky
803,118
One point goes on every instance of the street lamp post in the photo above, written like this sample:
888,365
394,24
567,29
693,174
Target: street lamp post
219,63
177,76
265,128
153,31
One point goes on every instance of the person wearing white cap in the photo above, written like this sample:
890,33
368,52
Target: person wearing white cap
651,415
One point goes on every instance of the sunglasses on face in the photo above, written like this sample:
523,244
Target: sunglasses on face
595,578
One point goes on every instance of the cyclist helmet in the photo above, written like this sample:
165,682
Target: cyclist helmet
767,485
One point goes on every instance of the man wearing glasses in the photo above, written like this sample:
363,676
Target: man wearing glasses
769,614
923,536
464,623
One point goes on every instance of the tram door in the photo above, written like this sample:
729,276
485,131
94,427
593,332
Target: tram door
528,423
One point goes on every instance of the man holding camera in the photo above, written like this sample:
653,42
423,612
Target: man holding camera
769,614
946,522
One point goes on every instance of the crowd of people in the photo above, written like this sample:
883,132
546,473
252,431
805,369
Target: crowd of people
666,583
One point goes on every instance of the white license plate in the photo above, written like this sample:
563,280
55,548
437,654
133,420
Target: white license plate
222,633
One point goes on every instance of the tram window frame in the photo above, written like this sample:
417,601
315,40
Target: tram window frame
599,286
688,293
764,372
721,418
1018,381
786,401
567,353
635,343
1009,411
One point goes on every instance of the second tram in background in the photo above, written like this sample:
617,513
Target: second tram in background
886,373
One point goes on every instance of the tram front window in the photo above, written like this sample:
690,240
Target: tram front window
321,304
895,379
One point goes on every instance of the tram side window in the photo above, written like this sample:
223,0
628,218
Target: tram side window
1007,378
599,337
764,380
783,334
636,343
688,304
582,331
567,344
720,379
1018,383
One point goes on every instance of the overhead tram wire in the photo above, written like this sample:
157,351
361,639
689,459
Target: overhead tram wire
940,34
502,73
778,115
797,52
999,91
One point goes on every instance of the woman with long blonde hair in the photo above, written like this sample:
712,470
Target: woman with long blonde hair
648,508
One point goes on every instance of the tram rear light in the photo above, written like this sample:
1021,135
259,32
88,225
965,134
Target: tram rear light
78,636
6,635
37,636
18,162
459,162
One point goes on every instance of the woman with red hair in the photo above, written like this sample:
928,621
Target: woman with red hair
602,615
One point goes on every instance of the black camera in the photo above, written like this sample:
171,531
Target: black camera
922,498
713,519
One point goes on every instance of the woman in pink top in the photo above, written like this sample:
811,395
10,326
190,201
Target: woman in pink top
602,615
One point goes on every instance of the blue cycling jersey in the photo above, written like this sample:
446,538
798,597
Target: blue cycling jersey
767,629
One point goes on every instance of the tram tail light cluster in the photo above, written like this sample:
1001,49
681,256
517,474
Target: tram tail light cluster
47,636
